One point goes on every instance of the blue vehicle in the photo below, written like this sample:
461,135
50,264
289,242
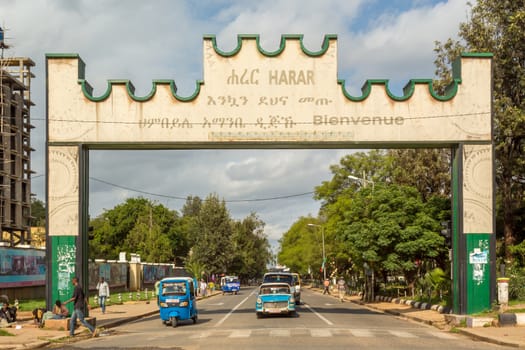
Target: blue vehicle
230,284
275,299
177,301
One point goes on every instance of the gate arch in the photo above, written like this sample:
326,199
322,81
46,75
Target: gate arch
288,98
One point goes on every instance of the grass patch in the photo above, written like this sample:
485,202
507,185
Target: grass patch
4,333
31,304
510,309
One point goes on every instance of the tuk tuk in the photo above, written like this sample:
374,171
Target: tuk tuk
230,284
177,301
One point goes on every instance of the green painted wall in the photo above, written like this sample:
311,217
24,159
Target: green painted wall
478,272
63,263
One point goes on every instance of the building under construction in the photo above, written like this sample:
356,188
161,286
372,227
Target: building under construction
15,150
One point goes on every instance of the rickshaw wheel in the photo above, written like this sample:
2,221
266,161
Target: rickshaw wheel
174,321
194,318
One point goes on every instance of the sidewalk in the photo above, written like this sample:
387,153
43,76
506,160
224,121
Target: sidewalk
512,336
28,336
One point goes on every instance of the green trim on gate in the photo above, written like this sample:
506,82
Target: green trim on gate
282,46
63,267
478,274
408,90
456,267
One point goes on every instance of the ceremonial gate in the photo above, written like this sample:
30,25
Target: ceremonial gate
290,98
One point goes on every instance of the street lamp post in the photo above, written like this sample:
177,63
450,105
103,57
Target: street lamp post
324,254
361,180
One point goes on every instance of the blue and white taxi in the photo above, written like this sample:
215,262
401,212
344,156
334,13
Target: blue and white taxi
275,299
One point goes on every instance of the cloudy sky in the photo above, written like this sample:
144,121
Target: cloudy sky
162,39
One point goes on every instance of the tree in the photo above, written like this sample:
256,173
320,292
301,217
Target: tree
38,212
390,229
251,250
300,247
499,27
136,226
390,225
428,170
213,245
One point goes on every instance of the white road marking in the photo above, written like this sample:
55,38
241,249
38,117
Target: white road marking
402,334
280,333
200,335
319,315
320,333
362,333
242,333
232,310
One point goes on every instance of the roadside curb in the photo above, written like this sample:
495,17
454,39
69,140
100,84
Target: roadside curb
415,304
510,319
465,332
395,313
107,324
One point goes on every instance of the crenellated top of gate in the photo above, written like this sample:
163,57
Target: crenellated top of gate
210,42
291,90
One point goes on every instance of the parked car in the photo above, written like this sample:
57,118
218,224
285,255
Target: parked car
275,299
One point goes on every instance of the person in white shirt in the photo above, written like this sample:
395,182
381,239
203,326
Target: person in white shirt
103,293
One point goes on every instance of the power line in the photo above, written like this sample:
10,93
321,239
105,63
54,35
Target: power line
184,198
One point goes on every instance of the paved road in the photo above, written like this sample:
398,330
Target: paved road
229,322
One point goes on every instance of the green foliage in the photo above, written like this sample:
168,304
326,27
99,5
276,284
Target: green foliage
38,212
428,170
432,282
390,229
222,245
141,227
392,224
213,246
251,251
4,333
301,247
205,238
516,283
197,269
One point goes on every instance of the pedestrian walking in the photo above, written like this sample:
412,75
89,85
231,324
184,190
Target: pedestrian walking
203,287
80,301
326,286
341,288
103,293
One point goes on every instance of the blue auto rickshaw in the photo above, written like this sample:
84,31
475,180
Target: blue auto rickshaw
230,284
177,301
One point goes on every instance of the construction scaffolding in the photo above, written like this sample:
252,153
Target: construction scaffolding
15,150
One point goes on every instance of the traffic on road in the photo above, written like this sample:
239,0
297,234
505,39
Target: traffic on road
321,321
